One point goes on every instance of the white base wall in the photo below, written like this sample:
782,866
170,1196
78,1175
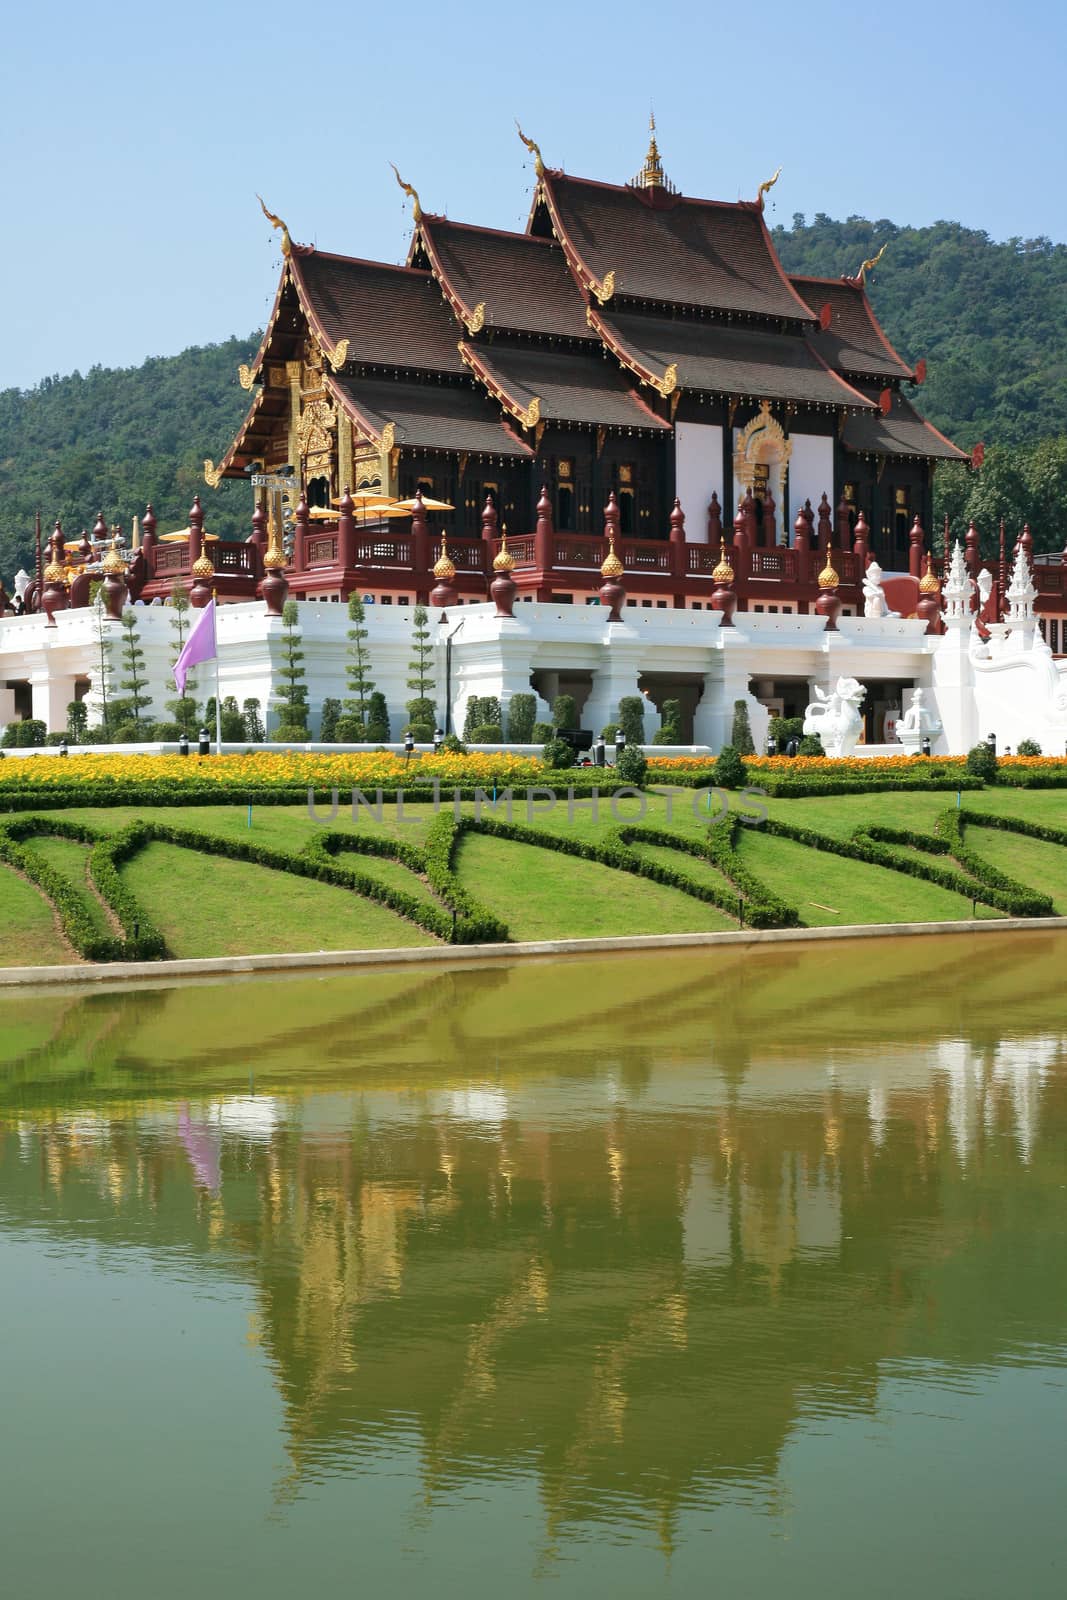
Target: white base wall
1013,689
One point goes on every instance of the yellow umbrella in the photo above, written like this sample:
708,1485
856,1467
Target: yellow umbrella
428,504
181,536
372,513
365,498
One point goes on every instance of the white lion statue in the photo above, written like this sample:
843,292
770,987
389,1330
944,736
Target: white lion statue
835,717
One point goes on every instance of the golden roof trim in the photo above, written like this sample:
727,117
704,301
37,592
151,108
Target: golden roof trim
276,222
534,149
412,193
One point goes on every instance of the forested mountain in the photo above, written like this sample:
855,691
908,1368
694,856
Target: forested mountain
990,319
114,439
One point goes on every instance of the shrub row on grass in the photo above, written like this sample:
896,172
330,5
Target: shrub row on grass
581,782
717,847
140,941
1013,896
762,909
461,919
310,863
1003,895
1032,830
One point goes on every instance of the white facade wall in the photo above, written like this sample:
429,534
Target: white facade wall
697,474
1012,688
811,474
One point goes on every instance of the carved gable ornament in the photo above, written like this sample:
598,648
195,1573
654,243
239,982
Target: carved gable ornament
761,441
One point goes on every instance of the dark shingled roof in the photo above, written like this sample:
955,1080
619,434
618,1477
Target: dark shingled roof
524,282
570,387
684,252
391,316
729,360
854,341
428,416
902,433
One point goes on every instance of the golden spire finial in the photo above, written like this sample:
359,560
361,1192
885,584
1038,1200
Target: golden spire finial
410,190
765,188
928,583
113,562
276,222
274,558
611,566
828,578
504,561
534,149
652,175
724,572
444,566
869,266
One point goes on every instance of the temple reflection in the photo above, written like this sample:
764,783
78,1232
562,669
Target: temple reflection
625,1247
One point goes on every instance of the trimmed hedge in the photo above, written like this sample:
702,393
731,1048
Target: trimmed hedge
870,844
764,909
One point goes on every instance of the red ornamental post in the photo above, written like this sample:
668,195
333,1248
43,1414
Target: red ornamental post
421,556
300,533
770,521
802,542
677,543
972,549
748,510
148,540
828,604
346,532
843,525
489,521
503,587
861,543
724,596
826,531
196,531
259,529
915,551
714,520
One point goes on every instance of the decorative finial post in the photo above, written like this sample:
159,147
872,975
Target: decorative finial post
677,544
802,541
929,607
54,596
612,593
301,529
421,553
444,591
748,506
828,604
346,532
724,596
861,543
825,531
196,531
972,549
113,588
489,522
544,533
274,589
259,529
916,538
503,587
770,520
714,519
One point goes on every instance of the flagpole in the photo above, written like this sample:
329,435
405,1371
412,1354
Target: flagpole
218,691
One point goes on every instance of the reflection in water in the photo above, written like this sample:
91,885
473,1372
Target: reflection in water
623,1228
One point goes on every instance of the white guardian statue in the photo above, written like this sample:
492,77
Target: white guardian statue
835,717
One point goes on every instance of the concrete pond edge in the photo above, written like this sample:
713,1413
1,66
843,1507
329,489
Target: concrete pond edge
334,961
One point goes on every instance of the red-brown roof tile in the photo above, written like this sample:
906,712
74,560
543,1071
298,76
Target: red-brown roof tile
391,316
428,416
702,253
902,433
568,387
854,341
727,360
522,282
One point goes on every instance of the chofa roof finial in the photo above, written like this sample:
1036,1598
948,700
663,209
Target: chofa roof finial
410,190
534,149
276,222
869,265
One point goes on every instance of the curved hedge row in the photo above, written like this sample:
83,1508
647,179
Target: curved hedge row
764,909
985,884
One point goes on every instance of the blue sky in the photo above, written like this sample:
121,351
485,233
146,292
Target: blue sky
135,137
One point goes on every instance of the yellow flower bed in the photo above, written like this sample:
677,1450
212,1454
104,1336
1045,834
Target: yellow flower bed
266,770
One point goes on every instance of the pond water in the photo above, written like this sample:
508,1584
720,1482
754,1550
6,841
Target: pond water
736,1272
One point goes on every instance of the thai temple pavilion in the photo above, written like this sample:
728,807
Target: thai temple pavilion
633,348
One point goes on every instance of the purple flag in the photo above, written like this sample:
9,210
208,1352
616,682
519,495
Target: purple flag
200,645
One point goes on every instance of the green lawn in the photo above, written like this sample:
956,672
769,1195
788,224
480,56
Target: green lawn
830,890
211,906
207,906
543,895
29,936
71,858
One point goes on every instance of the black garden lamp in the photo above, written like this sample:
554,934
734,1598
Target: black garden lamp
63,748
409,746
183,745
926,745
600,752
203,743
438,741
620,744
772,745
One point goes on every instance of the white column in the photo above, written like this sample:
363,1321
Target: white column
613,679
953,690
